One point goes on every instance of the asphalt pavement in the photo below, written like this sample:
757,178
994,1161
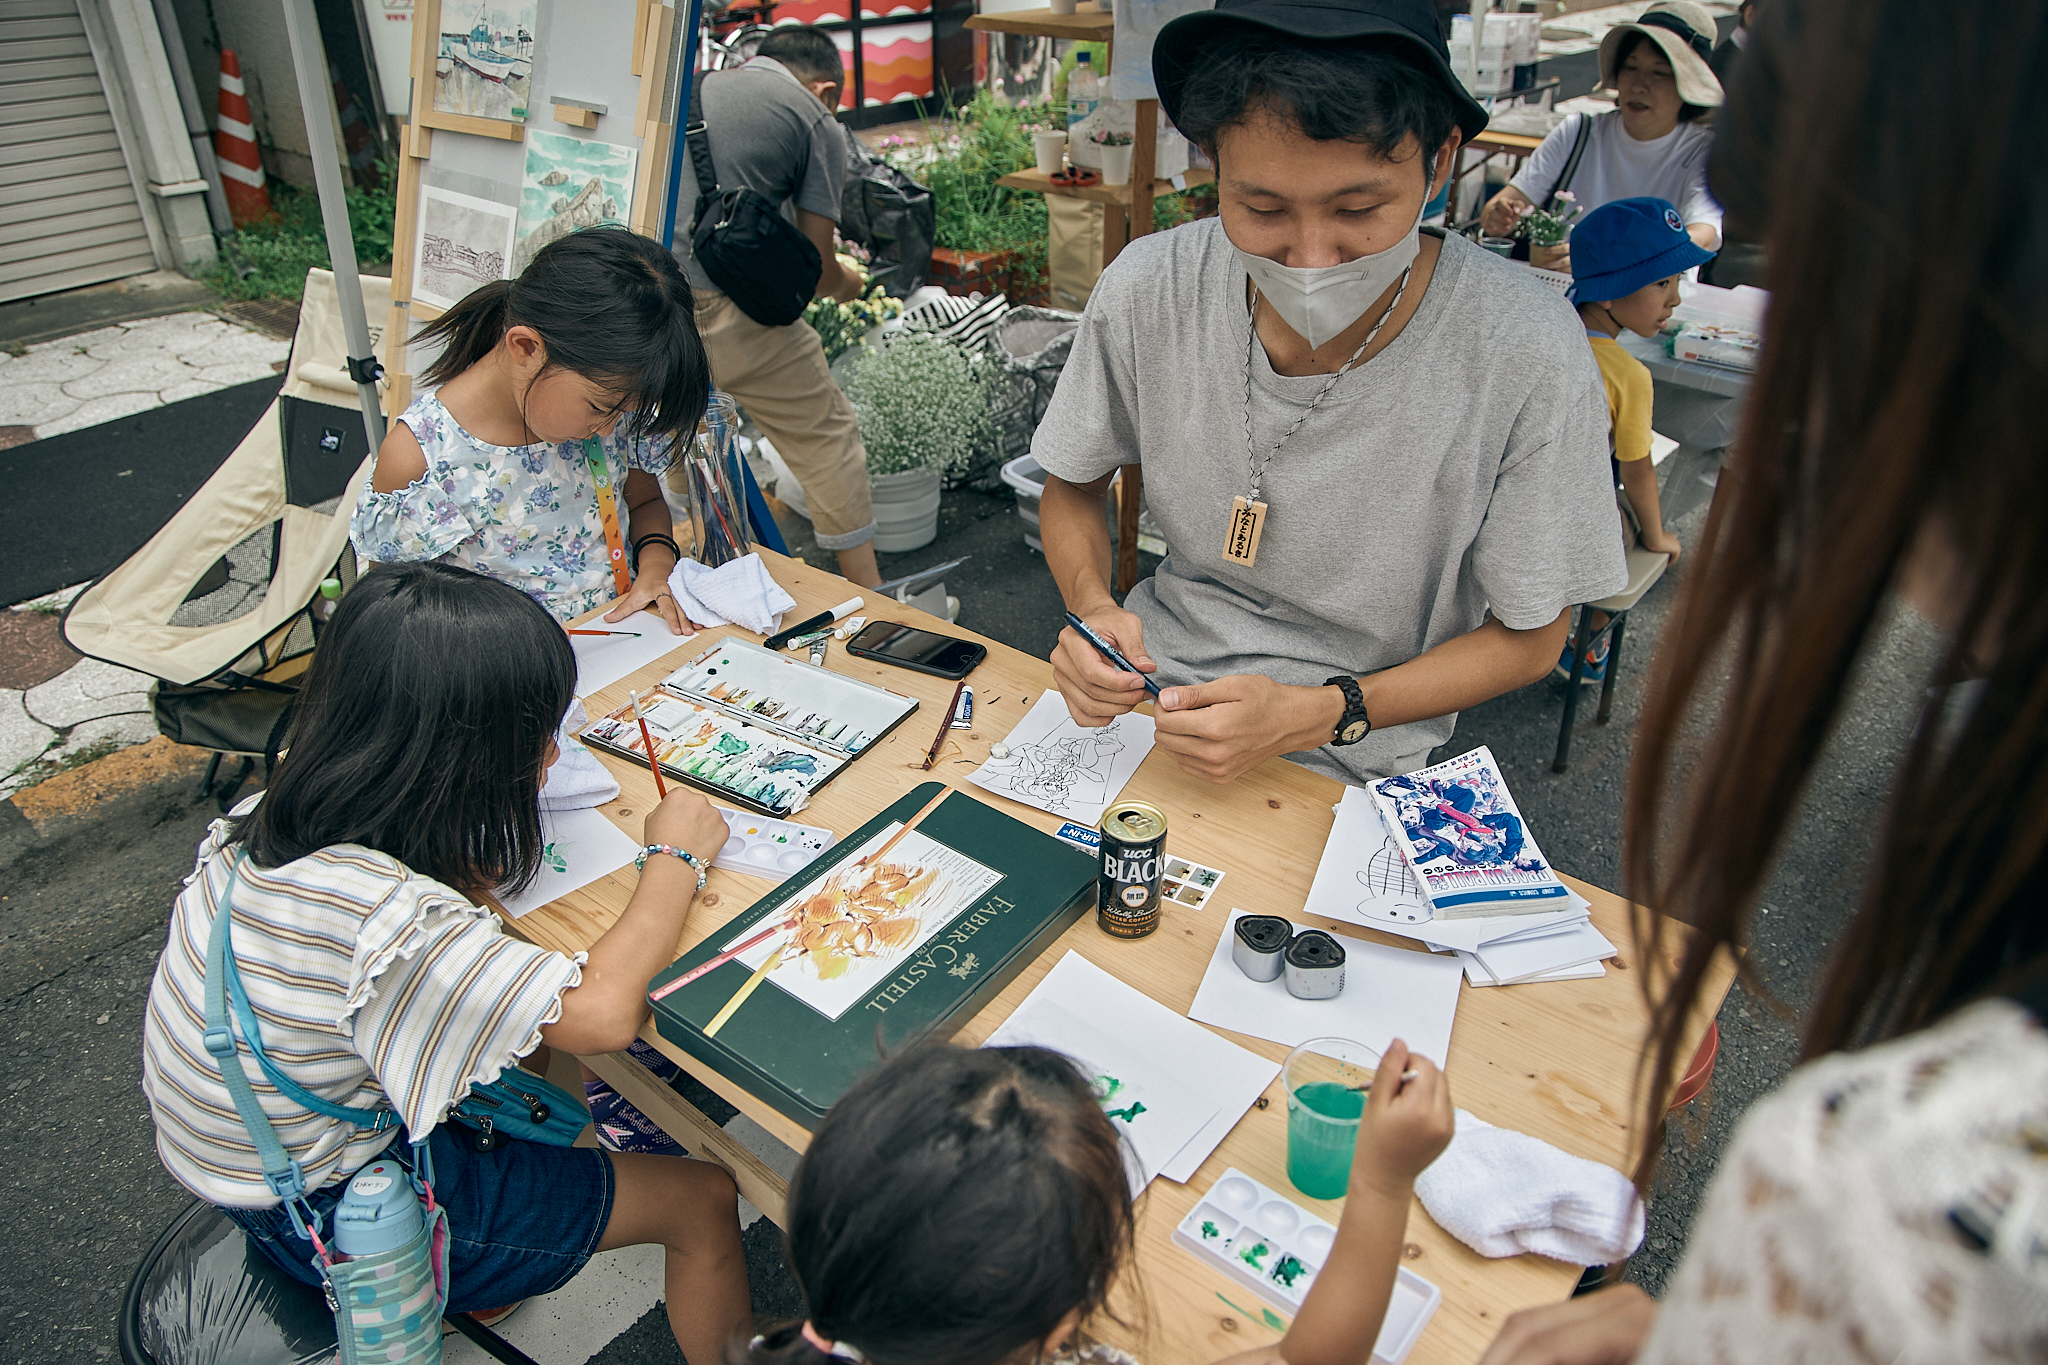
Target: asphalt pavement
86,885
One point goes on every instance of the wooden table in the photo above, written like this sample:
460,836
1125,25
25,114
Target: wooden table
1556,1060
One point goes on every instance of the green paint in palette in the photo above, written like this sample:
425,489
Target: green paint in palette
1322,1133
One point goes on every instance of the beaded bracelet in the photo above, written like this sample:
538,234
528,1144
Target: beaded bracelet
640,863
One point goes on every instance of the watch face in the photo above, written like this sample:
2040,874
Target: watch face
1356,730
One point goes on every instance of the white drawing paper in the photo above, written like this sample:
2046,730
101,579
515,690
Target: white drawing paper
1364,879
602,660
1067,769
1388,993
1477,975
1527,957
851,930
463,242
582,845
1195,1086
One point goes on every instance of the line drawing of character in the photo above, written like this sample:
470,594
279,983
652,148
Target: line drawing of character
1069,769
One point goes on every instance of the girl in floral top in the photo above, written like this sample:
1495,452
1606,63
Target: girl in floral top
589,360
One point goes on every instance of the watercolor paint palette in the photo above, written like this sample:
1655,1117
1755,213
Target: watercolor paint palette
1275,1248
769,848
748,765
799,701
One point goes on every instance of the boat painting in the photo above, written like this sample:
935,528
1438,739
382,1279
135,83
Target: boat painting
484,67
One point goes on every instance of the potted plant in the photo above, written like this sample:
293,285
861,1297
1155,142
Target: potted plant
989,238
1116,155
1547,229
923,406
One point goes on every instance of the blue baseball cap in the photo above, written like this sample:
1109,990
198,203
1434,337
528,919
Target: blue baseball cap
1628,243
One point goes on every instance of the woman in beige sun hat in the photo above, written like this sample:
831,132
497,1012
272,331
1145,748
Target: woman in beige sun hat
1650,144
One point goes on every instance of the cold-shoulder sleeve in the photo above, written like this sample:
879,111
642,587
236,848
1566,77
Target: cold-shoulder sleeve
441,998
423,520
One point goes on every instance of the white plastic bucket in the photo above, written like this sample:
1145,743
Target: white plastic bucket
906,510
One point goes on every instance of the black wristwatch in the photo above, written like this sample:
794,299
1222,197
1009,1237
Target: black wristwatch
1354,724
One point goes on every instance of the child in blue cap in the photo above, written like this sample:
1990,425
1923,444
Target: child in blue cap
1627,256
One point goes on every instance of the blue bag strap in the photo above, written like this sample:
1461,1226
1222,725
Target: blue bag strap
281,1170
376,1120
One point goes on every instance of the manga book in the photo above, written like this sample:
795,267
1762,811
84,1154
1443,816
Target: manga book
1459,829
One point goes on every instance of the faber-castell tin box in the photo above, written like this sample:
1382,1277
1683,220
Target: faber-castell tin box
809,1032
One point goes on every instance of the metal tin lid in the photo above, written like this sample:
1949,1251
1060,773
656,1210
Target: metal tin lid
1134,820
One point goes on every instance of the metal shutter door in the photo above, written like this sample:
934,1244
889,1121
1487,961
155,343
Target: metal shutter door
68,209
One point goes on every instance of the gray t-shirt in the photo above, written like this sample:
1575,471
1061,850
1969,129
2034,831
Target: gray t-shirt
1464,468
771,135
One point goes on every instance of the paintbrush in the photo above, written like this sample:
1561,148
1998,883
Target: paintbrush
634,633
1405,1077
739,997
945,725
654,766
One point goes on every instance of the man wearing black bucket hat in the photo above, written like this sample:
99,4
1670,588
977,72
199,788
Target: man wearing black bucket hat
1378,455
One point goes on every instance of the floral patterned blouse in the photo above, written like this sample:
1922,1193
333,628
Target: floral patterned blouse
525,515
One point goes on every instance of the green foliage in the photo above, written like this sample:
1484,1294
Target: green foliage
839,325
988,140
295,241
923,403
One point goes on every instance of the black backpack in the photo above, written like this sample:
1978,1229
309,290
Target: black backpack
752,253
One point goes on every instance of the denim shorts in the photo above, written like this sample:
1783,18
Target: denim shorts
522,1218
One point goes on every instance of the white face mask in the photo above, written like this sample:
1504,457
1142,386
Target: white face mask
1319,302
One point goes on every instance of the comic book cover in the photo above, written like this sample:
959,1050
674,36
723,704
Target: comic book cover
1461,832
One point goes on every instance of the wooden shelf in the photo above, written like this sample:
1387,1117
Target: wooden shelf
1088,26
1038,182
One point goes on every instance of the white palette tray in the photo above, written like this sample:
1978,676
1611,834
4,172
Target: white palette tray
1275,1248
763,846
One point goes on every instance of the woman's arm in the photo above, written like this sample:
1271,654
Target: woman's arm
400,461
1498,218
604,1012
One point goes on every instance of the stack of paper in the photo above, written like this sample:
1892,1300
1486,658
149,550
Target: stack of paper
1363,878
1171,1087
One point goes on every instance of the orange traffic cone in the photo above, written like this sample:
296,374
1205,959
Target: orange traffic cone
234,147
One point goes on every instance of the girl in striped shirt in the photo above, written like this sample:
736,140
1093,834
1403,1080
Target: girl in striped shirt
422,739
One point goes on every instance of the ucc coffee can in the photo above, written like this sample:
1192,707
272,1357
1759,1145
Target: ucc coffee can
1133,855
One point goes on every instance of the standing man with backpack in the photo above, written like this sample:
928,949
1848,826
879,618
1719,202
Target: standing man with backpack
768,163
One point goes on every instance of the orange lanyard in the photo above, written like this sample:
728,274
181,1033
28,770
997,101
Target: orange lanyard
608,513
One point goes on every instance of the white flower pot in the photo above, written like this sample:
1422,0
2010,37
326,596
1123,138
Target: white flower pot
1116,164
906,510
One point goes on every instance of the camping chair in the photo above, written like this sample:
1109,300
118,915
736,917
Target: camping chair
1644,569
227,654
204,1295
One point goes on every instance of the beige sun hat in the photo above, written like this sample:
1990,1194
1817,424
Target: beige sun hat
1684,31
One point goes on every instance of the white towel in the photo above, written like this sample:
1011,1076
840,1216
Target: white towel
1504,1193
738,592
577,781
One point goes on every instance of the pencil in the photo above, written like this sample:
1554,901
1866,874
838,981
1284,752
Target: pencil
945,790
739,997
704,969
634,633
654,766
945,725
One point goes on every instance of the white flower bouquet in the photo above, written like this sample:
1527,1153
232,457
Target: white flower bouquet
923,403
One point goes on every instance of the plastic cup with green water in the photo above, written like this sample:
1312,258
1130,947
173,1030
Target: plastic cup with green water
1326,1080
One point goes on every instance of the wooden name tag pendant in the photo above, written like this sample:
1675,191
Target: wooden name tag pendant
1247,520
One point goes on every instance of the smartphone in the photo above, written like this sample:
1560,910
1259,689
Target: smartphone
907,647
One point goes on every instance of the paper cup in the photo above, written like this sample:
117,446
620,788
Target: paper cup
1116,164
1051,148
1062,6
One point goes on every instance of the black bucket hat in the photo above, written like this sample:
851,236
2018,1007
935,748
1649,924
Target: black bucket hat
1411,25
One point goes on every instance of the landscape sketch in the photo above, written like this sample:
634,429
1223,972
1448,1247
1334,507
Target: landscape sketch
484,65
854,929
570,183
463,242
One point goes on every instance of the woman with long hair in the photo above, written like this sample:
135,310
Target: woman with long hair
1890,1201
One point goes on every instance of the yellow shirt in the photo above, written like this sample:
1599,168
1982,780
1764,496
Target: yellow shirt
1627,381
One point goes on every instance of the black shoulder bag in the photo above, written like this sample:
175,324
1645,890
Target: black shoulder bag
751,252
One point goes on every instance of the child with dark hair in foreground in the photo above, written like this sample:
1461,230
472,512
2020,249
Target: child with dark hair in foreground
970,1207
